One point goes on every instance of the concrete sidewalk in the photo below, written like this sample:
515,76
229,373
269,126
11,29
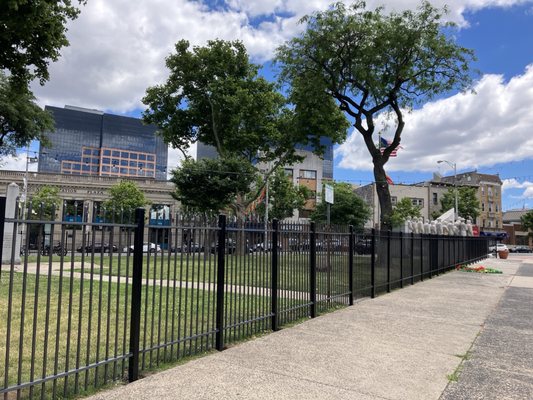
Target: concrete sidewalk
402,345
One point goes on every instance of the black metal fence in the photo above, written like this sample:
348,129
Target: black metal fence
113,299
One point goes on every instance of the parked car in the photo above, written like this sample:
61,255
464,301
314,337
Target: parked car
188,248
147,247
298,244
498,247
97,248
521,249
363,246
261,246
231,247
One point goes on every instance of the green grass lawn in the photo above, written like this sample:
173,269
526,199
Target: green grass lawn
67,322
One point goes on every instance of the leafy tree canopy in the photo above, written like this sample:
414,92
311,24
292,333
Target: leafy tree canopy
283,197
32,34
348,208
404,209
45,202
21,120
124,198
370,63
210,185
467,199
214,95
527,220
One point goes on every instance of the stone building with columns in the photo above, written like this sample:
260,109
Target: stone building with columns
91,191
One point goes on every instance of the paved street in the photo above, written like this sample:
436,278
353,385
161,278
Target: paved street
404,345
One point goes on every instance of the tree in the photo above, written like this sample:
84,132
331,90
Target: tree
21,120
124,198
373,64
527,221
45,203
404,209
283,197
214,95
209,186
467,199
31,35
348,208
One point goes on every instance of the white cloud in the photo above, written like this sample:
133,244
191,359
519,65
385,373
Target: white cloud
175,157
17,163
118,47
512,183
473,130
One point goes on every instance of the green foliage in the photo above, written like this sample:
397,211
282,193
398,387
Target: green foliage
211,185
45,202
348,208
214,95
32,34
467,199
124,198
370,63
283,196
527,221
404,209
21,120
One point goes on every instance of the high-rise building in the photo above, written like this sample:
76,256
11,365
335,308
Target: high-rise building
91,142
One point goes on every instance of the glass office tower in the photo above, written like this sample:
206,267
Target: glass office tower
91,142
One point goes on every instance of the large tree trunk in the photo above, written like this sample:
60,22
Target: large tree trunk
382,189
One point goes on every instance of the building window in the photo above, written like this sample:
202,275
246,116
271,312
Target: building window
435,199
482,206
497,208
307,174
394,200
289,172
417,202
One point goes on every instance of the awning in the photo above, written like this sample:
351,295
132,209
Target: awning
497,235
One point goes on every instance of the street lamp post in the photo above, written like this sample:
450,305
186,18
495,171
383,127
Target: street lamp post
454,166
24,194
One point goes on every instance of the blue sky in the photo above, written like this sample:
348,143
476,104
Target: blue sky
118,48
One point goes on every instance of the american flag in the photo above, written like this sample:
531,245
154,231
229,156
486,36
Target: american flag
384,143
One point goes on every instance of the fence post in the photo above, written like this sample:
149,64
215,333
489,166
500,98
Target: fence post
274,291
136,286
388,261
312,269
401,259
2,226
221,250
350,265
373,265
412,258
421,258
437,255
